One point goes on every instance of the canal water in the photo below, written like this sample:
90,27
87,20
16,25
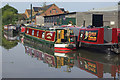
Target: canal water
24,58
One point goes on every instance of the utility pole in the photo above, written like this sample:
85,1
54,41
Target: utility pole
118,15
31,13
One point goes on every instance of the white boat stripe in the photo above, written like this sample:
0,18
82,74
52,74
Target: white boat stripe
63,45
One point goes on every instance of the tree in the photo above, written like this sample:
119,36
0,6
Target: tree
9,18
21,17
9,15
9,8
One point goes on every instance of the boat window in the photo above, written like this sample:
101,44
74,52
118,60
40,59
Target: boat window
27,30
37,54
71,39
32,32
43,55
27,49
32,51
43,34
81,34
37,33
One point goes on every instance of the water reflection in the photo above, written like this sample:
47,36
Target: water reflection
10,36
90,60
9,39
94,62
47,55
98,63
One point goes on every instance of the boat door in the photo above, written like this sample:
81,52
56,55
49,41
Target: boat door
60,35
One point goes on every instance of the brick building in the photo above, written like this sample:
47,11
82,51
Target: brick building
28,12
47,10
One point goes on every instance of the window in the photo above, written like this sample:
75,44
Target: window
27,49
43,55
37,33
32,32
50,11
43,34
53,9
27,31
45,20
56,11
32,51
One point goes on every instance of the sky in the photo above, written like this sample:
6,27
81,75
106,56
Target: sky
70,6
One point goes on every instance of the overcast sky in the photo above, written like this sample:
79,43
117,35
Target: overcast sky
70,6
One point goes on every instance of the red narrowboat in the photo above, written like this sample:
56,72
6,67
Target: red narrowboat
99,38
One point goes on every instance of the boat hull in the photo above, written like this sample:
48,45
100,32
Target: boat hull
61,48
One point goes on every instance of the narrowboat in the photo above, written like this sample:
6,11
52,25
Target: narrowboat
61,39
99,38
11,28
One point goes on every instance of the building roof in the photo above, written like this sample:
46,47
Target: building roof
62,9
39,13
28,11
36,9
112,8
47,7
60,14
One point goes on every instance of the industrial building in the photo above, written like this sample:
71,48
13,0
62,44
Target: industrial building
108,16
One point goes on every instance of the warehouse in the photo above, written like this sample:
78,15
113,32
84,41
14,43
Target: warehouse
96,17
107,16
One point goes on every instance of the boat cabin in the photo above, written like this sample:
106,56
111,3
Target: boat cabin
98,36
57,35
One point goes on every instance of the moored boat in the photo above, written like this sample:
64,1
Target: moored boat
11,28
61,39
99,38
